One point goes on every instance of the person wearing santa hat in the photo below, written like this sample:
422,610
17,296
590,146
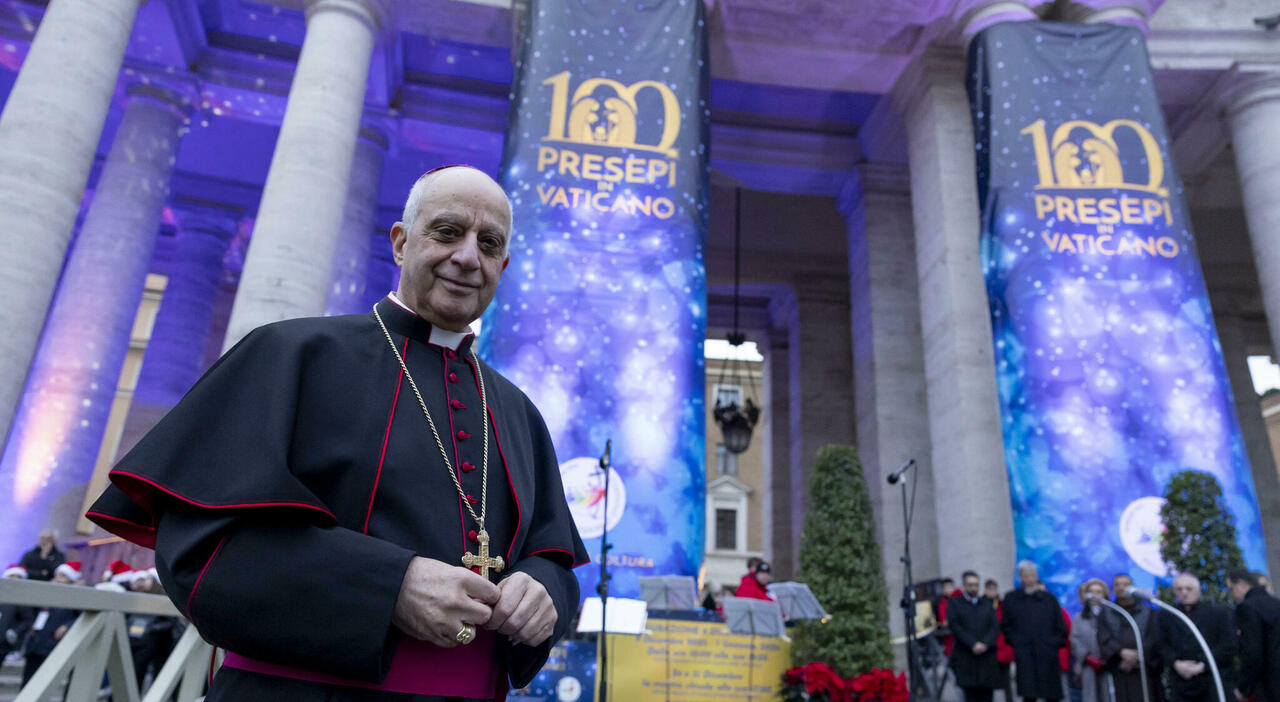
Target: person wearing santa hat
117,572
151,638
15,620
68,573
50,624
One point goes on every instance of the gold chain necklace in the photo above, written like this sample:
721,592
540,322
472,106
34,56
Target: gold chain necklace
481,561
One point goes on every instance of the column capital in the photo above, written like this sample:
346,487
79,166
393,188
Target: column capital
1134,13
179,102
972,16
871,179
375,133
219,221
938,65
1246,85
376,14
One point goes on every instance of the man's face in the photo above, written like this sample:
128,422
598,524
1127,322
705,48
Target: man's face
46,539
992,590
971,586
1186,590
948,586
457,249
1119,585
764,577
1030,578
1238,588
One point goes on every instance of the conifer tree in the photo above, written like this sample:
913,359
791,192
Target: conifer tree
1200,533
840,561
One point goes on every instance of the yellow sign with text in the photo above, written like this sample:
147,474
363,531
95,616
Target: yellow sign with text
691,661
1086,156
585,125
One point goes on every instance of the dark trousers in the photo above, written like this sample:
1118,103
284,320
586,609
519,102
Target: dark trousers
977,694
1006,680
31,665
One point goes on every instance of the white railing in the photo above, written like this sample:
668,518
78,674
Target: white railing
98,642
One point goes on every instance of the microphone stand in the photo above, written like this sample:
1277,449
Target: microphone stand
908,586
1208,653
602,588
1137,635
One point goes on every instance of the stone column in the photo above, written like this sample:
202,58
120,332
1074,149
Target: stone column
775,433
972,16
975,522
383,275
49,133
1133,13
888,368
175,357
290,259
1253,114
359,217
59,425
820,373
1253,429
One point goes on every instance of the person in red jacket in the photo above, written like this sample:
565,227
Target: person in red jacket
1004,652
755,583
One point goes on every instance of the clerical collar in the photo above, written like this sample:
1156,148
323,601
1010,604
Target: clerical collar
402,320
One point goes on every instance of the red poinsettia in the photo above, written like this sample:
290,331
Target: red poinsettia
818,682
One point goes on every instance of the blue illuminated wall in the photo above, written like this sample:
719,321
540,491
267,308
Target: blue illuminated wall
1110,373
603,309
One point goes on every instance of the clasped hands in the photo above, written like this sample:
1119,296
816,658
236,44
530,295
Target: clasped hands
437,599
1188,669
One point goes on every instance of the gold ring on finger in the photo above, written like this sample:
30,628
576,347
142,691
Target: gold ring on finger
466,634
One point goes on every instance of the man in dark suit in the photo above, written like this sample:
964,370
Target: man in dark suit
1190,679
973,622
1258,631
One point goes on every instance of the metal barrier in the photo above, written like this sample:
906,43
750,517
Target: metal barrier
98,642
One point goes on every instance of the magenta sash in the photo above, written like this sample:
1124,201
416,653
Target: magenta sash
417,668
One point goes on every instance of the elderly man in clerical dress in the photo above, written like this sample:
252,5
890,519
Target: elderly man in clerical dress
357,508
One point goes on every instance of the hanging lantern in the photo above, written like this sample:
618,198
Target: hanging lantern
736,417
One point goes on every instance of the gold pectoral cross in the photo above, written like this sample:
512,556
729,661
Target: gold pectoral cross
483,561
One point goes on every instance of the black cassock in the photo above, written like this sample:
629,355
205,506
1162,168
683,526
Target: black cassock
971,623
1034,627
1177,643
287,492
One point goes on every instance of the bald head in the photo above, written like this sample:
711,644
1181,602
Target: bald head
448,176
1186,589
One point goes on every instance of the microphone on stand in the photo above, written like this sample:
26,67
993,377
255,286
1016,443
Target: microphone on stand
605,457
896,475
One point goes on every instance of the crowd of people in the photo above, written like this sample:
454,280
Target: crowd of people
1096,656
33,632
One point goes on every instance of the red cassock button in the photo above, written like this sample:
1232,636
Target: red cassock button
453,377
451,353
462,434
457,404
473,536
467,467
472,499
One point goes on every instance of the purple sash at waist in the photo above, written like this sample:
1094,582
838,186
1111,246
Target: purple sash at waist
417,668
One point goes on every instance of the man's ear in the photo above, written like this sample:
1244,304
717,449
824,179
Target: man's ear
399,235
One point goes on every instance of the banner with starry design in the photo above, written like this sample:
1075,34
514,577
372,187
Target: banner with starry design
603,311
1110,374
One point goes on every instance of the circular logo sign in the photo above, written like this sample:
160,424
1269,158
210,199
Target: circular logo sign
1141,531
584,491
568,689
